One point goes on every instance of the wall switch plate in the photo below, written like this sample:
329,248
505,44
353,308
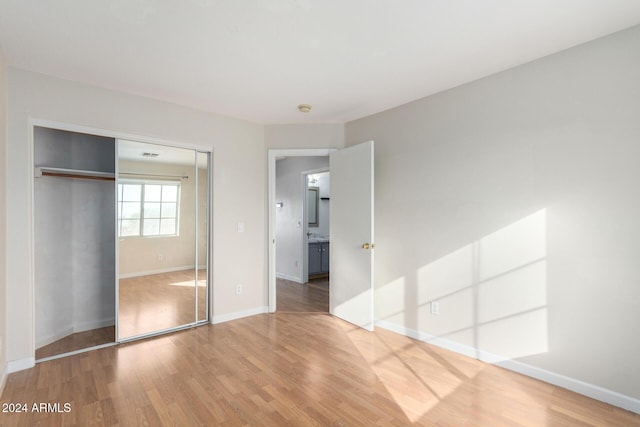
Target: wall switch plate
241,227
435,308
238,289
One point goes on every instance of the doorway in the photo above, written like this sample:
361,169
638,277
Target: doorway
302,233
290,269
352,230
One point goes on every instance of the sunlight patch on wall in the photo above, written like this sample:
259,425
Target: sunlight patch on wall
513,246
516,336
492,293
447,275
393,295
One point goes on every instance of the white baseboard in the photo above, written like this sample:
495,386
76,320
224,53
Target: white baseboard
53,337
593,391
72,329
20,364
3,377
158,271
239,314
94,324
290,278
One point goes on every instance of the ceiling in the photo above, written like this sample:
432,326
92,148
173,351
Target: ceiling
258,59
144,152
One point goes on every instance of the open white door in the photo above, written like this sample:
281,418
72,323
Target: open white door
351,263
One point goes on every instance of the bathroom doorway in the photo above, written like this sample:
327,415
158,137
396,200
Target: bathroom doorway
302,234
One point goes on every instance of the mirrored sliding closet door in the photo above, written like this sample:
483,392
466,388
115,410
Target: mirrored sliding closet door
162,228
121,240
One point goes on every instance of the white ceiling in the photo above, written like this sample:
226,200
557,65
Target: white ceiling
133,151
259,59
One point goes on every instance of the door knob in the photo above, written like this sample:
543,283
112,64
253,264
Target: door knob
366,246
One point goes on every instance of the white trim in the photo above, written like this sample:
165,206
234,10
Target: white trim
3,378
74,328
158,271
289,278
20,364
593,391
53,337
52,124
93,324
82,350
239,314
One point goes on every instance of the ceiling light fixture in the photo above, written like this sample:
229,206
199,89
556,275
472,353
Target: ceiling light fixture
304,108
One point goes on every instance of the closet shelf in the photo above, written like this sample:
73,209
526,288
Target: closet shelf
41,171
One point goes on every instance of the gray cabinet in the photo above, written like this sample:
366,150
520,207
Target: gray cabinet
318,258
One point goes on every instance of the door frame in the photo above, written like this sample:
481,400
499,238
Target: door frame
272,154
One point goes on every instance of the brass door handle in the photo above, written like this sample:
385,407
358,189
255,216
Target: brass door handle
367,246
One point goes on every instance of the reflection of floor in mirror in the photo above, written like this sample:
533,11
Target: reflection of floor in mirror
159,301
78,341
295,297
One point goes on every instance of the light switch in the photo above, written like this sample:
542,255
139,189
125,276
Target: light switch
241,227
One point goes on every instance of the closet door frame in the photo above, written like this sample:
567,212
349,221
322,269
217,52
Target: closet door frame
63,126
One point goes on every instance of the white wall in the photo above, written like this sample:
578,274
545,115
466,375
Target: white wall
289,183
238,192
514,201
3,220
329,135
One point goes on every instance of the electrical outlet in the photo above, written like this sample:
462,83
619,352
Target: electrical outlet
435,308
160,257
238,289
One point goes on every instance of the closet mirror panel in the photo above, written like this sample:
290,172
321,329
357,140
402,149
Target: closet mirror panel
159,260
203,235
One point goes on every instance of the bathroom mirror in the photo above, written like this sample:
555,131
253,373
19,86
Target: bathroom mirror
312,206
162,228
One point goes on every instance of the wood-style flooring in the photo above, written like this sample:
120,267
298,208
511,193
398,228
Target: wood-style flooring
147,304
291,369
159,301
78,341
312,297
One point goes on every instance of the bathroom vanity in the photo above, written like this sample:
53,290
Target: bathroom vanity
318,256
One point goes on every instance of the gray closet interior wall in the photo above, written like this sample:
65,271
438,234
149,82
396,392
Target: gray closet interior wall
75,245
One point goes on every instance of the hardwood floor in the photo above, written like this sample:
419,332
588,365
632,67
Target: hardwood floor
311,297
147,304
159,301
78,341
291,369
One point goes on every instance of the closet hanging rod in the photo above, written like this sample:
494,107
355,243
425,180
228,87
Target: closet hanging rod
154,175
41,171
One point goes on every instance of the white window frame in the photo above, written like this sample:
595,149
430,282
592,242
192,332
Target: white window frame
144,183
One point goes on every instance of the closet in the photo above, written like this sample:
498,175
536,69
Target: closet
74,220
121,240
